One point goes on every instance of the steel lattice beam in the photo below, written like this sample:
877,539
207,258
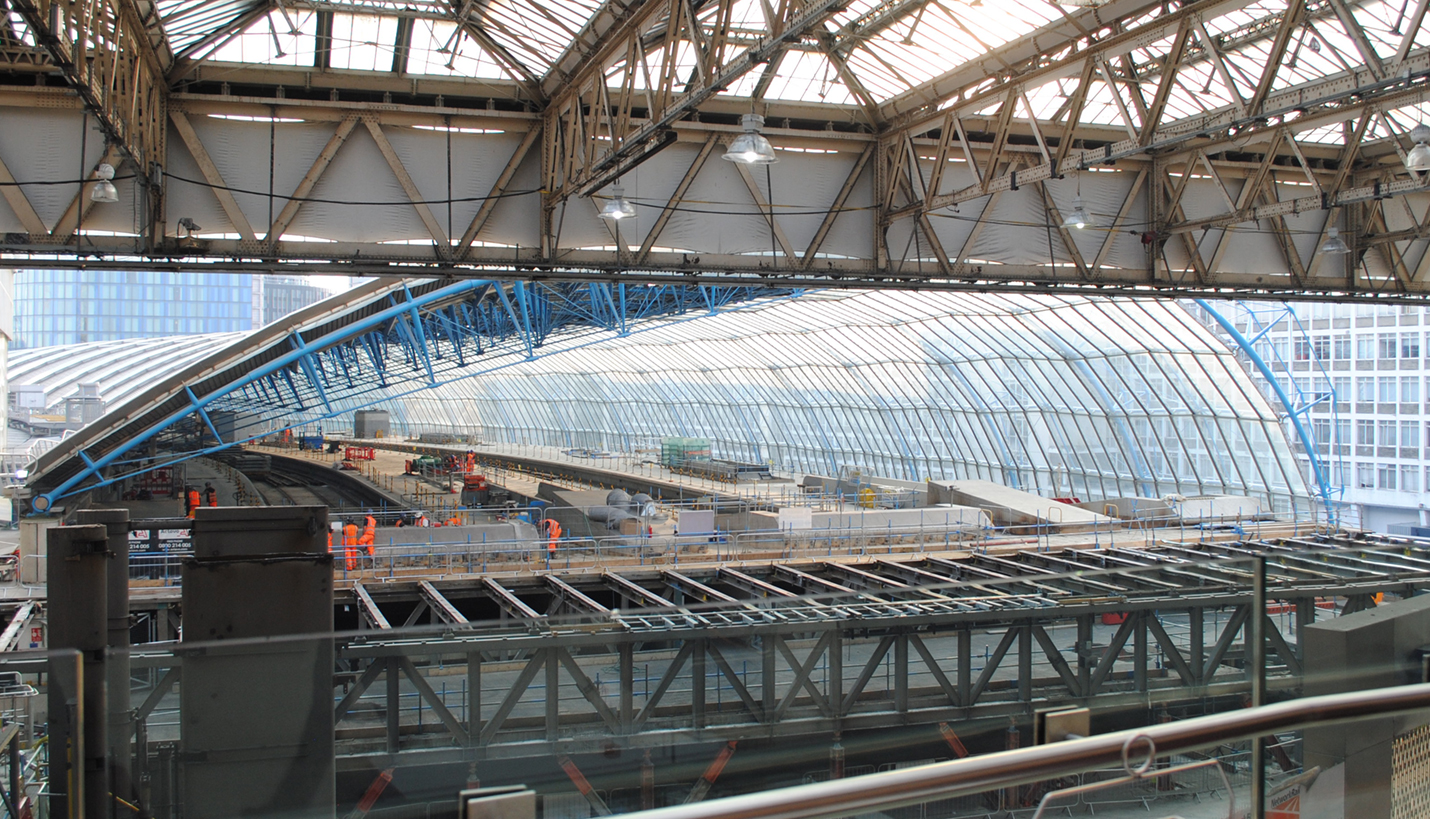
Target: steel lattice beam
104,49
615,98
587,149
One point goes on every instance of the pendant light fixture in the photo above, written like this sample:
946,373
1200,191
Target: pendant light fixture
1078,218
1334,246
751,147
617,209
1419,157
104,190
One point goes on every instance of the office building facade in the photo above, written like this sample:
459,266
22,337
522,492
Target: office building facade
1357,378
54,307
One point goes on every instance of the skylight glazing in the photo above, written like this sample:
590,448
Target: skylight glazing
121,369
187,23
444,49
276,39
363,41
535,31
879,48
16,27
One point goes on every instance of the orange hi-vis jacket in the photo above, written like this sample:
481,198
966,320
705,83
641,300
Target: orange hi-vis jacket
369,535
350,539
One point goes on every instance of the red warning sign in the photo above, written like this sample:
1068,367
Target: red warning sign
35,634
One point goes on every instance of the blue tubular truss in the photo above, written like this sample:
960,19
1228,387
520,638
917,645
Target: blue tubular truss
385,343
1293,412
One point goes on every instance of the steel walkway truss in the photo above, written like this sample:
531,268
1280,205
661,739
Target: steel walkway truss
913,641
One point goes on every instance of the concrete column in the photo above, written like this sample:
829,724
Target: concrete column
33,560
1375,648
121,723
258,714
77,604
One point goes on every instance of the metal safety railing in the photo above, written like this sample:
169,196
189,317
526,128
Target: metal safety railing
1135,751
158,547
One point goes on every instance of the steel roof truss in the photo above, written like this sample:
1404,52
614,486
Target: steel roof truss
588,689
572,596
440,604
509,602
634,592
371,614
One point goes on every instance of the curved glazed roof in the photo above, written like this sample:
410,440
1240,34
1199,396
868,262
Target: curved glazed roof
120,368
1091,397
383,338
1094,397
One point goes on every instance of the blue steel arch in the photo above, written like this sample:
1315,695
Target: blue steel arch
357,350
1308,442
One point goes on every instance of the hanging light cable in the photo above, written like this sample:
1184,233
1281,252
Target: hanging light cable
751,147
1419,157
104,190
1334,245
617,208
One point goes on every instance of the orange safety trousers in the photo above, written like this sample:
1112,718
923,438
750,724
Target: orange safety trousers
350,542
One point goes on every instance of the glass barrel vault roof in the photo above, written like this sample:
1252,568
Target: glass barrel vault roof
1093,398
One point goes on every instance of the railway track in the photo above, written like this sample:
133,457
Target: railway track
292,482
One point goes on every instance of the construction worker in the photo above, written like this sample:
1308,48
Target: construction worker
553,534
421,520
350,546
369,535
471,462
210,495
191,501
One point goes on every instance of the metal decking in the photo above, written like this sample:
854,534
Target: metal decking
972,586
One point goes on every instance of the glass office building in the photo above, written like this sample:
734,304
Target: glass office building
54,307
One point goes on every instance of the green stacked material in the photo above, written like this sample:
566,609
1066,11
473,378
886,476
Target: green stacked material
676,451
